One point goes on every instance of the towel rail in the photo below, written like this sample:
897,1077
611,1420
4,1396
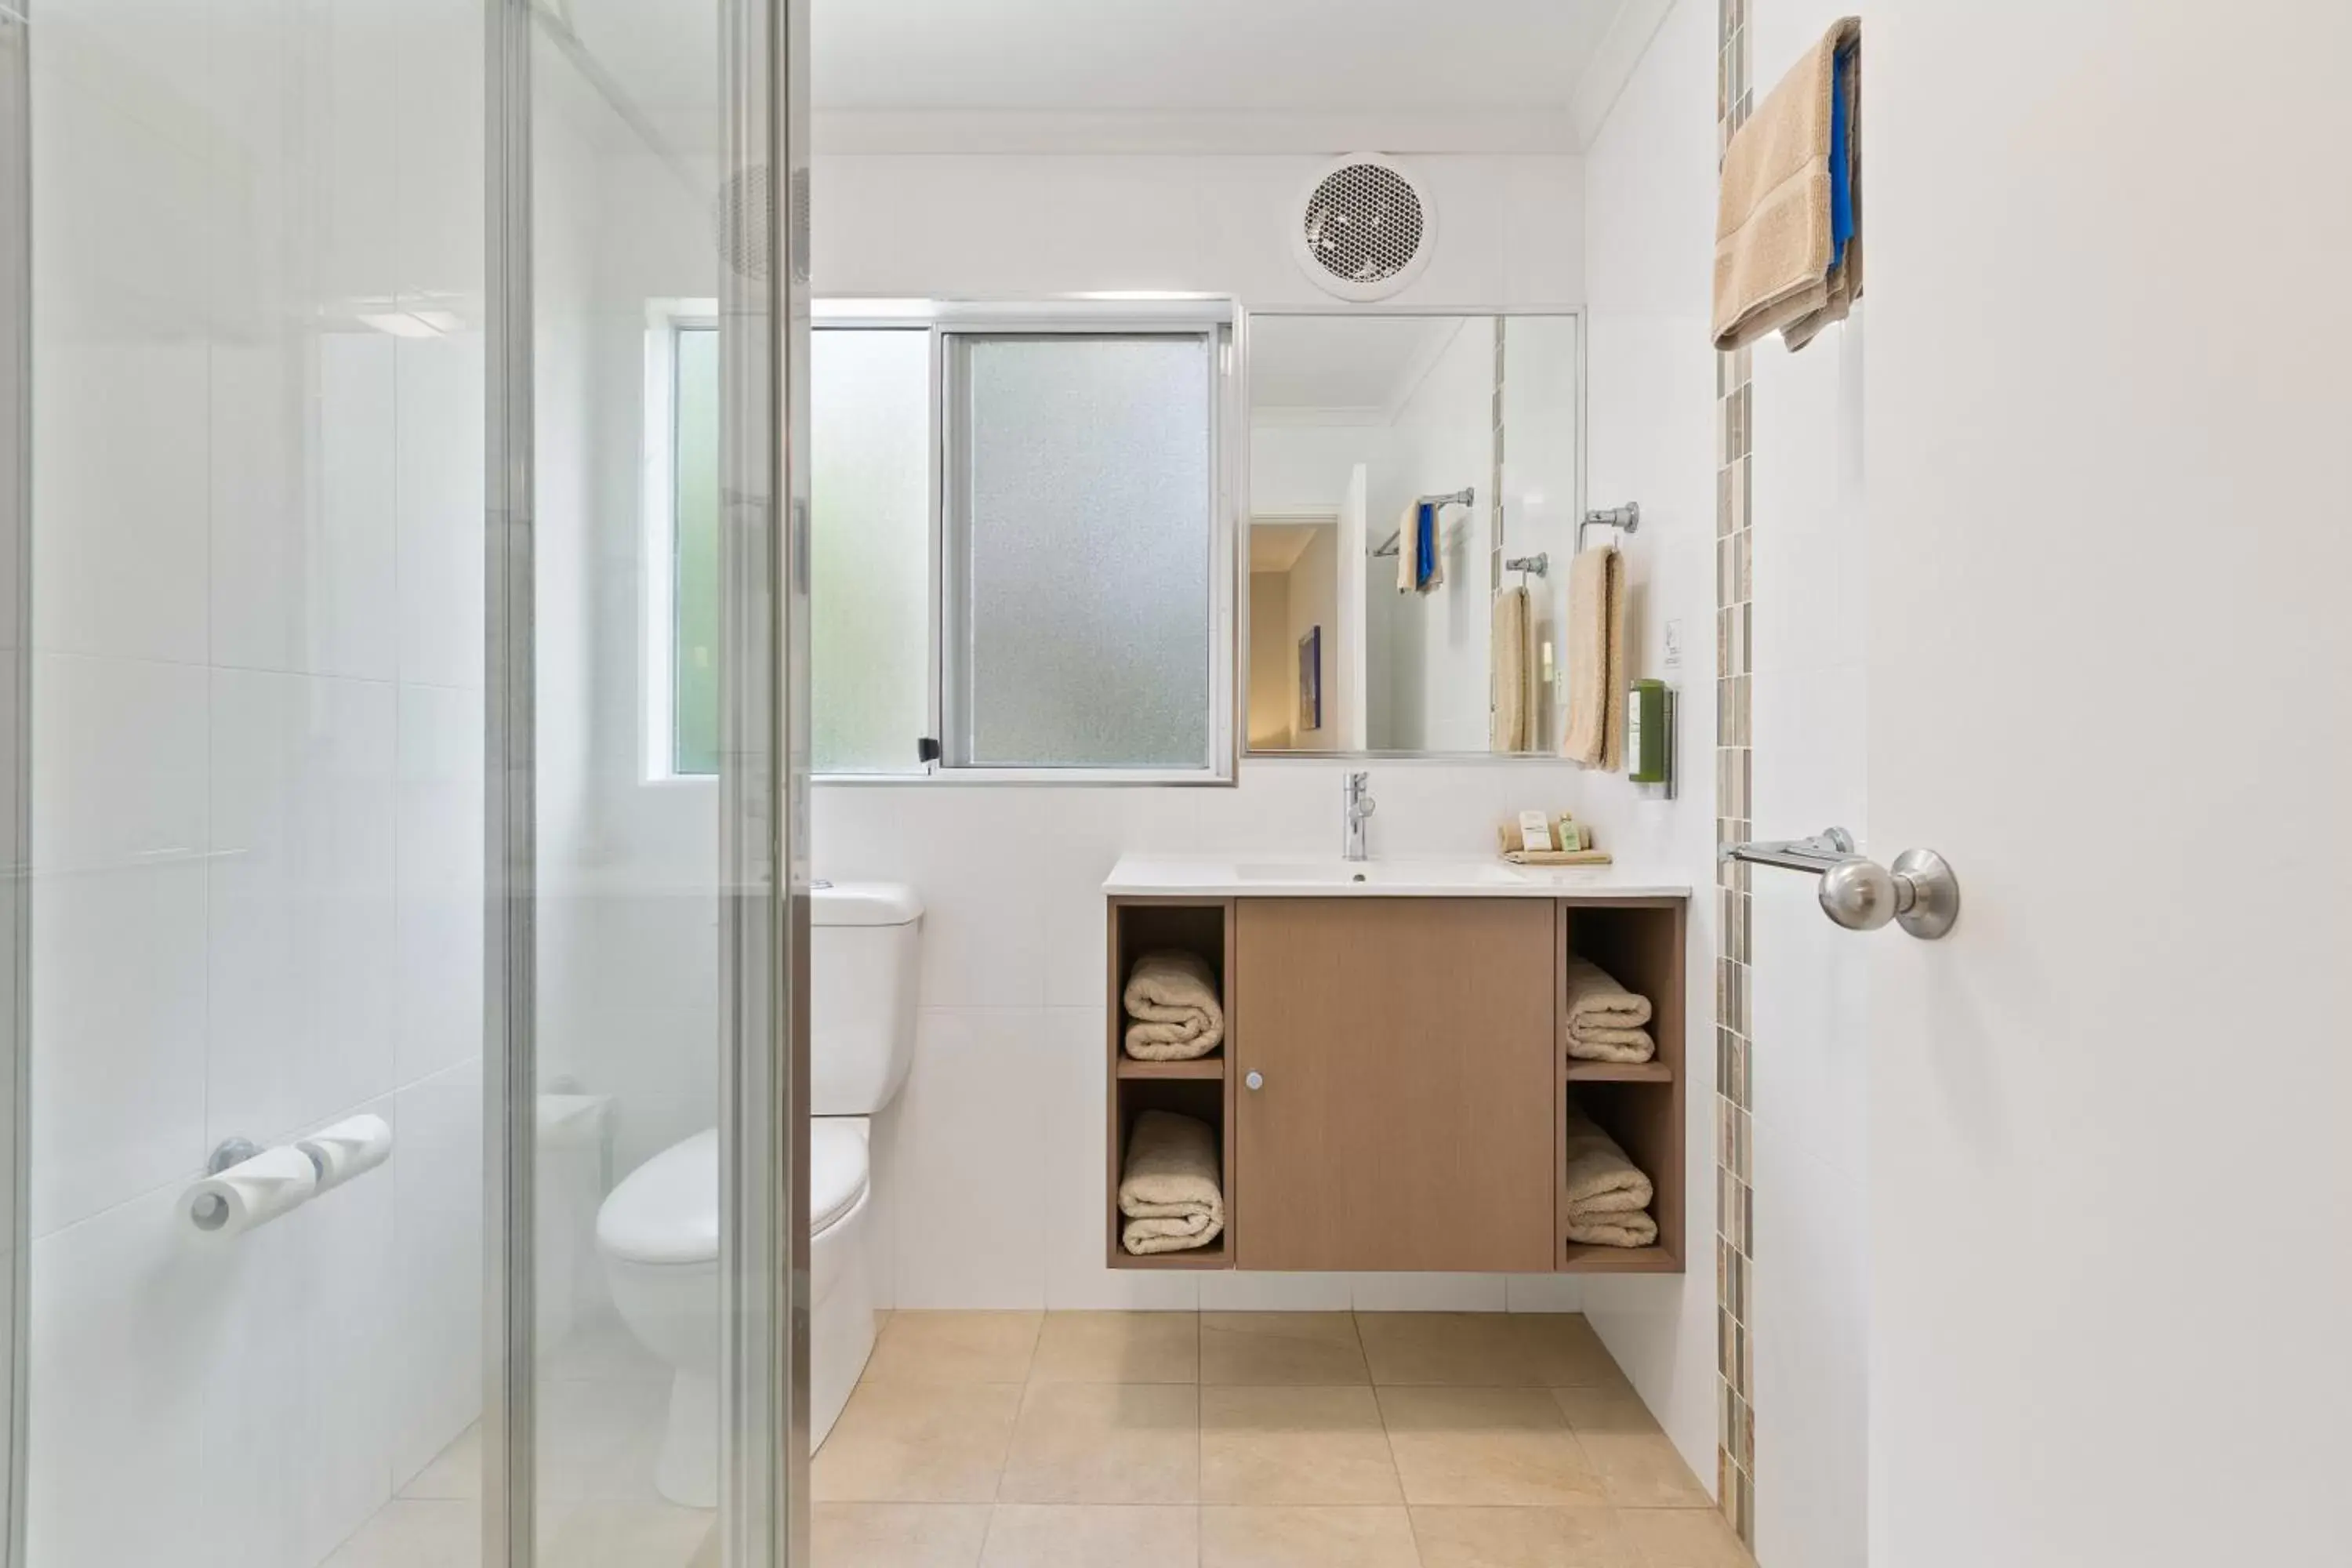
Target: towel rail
1467,496
1920,893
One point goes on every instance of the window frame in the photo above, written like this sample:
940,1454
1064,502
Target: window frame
1211,319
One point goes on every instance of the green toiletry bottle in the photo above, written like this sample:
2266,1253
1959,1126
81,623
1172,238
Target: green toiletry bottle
1645,732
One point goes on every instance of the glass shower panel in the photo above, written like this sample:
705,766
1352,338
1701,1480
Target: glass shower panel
647,1027
256,707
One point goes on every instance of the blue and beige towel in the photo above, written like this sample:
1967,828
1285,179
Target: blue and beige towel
1788,227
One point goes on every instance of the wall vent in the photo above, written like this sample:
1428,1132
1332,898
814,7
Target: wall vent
1364,227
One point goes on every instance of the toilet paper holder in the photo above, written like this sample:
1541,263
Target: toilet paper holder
232,1152
336,1153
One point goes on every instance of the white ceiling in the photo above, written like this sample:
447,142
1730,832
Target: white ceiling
1338,364
1280,75
1250,55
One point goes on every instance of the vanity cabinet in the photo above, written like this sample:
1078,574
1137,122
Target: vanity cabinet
1392,1091
1396,1063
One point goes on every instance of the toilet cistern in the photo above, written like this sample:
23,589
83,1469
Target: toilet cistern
1358,805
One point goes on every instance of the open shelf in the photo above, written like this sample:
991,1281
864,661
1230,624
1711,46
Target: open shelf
1576,1072
1643,1105
1211,1066
1199,1088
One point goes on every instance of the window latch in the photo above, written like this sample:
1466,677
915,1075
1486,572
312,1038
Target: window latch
927,749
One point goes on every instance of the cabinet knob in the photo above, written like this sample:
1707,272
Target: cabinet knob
1255,1080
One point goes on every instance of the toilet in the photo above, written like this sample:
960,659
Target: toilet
659,1229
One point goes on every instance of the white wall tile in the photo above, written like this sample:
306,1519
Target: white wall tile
1427,1292
303,481
1543,1293
119,930
302,1007
438,879
436,1173
1224,1290
124,1315
440,424
969,1161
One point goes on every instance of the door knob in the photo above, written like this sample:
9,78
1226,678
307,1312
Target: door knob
1255,1080
1920,893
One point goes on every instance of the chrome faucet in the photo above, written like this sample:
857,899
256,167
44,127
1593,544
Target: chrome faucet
1360,806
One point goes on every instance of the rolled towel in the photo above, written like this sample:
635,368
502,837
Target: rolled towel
1172,1008
1604,1019
1602,1184
1612,1230
1169,1188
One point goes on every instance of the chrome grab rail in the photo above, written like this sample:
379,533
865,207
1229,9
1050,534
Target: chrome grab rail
1919,892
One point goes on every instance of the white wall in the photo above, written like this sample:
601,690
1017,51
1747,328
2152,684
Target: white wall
257,719
1650,189
1650,382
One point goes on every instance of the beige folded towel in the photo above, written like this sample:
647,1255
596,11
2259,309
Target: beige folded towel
1772,241
1612,1230
1172,1008
1169,1186
1604,1193
1511,723
1604,1019
1596,660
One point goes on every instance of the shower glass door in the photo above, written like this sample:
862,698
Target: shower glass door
648,740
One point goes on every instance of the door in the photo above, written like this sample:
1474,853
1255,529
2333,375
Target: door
2107,654
1395,1109
647,1071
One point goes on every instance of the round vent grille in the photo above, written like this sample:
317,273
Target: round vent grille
1365,228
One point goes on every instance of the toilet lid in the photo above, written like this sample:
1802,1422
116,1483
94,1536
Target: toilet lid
667,1210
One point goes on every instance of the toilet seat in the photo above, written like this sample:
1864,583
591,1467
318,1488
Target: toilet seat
667,1210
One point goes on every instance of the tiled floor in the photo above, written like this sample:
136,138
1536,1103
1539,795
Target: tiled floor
1141,1440
1253,1440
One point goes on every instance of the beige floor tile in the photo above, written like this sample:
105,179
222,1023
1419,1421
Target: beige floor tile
456,1471
426,1533
1106,1443
1307,1537
897,1534
954,1347
1289,1348
1638,1464
1118,1347
1684,1538
918,1442
626,1535
1499,1446
1027,1536
1522,1538
1486,1349
1294,1445
1564,1353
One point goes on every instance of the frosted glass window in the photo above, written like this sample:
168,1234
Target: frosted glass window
870,583
694,657
1080,527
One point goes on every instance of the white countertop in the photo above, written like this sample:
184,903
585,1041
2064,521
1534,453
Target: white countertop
1298,876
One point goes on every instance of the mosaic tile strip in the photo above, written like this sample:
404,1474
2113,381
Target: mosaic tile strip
1735,425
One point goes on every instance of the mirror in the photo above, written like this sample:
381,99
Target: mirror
1409,474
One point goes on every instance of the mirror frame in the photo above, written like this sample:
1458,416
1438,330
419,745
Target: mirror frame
1243,337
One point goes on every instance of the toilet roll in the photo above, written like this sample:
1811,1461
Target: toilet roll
351,1147
273,1183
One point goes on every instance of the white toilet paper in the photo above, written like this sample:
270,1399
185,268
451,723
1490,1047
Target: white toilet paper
350,1148
273,1183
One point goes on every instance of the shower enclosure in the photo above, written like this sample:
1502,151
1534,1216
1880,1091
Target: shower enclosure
402,761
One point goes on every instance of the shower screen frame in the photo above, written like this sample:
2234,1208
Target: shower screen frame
762,891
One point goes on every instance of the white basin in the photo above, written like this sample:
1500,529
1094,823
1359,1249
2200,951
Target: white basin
1436,874
1305,876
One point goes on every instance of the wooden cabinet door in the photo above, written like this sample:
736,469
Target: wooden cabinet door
1403,1118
